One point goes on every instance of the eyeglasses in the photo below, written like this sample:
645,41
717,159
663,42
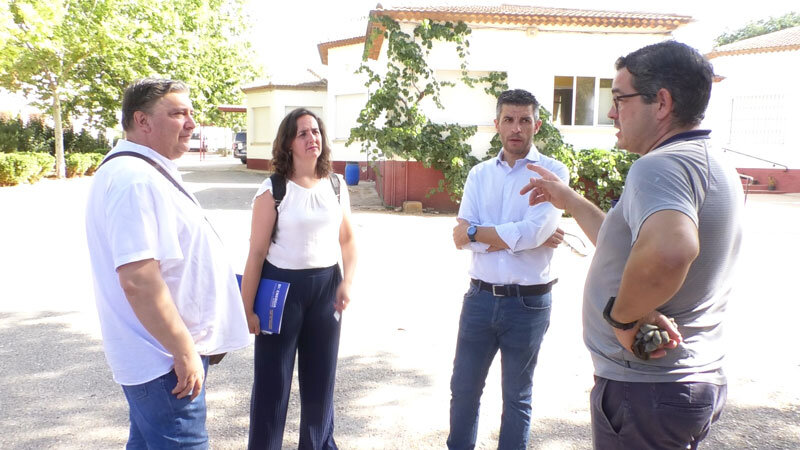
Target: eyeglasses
617,98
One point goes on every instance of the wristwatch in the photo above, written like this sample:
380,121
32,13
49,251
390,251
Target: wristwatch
471,232
611,321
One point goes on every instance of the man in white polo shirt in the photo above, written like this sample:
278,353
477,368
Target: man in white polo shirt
166,295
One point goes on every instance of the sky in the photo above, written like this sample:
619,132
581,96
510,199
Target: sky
286,33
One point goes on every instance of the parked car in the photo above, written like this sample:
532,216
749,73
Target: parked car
240,146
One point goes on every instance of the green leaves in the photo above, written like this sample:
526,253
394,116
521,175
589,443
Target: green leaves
87,51
759,27
392,123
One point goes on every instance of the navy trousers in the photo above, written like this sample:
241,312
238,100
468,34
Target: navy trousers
310,330
653,416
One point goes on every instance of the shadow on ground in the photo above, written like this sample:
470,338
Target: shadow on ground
220,174
56,390
745,427
226,198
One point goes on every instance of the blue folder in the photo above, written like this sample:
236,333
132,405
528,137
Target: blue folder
269,303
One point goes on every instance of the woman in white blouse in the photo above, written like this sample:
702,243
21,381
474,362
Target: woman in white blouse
313,233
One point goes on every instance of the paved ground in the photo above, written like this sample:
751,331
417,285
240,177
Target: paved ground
398,335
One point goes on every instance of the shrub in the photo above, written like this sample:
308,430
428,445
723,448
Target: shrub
77,164
599,175
95,159
46,164
16,168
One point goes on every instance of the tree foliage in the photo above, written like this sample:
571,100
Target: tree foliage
75,57
393,124
759,27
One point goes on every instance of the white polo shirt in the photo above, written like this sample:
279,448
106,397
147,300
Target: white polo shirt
134,213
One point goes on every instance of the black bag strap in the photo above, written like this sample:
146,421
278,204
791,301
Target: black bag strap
156,165
166,174
279,191
335,183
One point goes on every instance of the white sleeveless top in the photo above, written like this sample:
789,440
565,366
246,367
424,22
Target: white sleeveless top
308,225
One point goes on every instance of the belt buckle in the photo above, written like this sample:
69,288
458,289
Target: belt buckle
494,290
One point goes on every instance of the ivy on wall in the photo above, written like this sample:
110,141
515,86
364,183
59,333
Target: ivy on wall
393,124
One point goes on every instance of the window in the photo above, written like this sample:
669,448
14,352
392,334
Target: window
581,101
759,120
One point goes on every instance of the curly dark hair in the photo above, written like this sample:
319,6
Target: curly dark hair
679,69
282,161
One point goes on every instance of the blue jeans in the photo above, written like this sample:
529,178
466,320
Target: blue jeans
159,420
515,326
653,415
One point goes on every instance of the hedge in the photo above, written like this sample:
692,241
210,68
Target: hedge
16,168
30,167
77,164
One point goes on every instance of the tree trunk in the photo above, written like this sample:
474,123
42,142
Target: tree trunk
59,135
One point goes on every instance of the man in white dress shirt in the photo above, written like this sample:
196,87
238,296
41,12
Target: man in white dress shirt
166,295
507,305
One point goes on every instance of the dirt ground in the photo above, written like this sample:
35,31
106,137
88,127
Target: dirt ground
398,334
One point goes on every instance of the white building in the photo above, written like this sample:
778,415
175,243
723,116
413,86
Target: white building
753,110
563,56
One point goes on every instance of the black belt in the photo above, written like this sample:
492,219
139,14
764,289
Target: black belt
514,290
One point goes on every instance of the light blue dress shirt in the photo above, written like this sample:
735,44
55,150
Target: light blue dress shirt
491,198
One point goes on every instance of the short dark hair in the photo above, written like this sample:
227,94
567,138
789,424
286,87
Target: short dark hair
142,94
519,97
282,160
679,69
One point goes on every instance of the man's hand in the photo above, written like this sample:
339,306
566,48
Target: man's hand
460,237
555,240
190,373
627,337
548,188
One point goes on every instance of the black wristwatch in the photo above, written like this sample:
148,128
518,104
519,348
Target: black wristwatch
471,232
611,321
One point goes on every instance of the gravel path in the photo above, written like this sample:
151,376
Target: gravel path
397,341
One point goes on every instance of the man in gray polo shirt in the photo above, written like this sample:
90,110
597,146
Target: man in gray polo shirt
665,250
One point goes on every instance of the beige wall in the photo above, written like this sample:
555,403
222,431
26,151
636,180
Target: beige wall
266,109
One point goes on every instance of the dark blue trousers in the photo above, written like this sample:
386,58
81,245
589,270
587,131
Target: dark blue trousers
309,330
653,416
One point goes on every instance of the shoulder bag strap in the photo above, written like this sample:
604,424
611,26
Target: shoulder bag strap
156,165
278,192
166,174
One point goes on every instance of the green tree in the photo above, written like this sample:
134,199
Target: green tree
392,122
759,27
74,57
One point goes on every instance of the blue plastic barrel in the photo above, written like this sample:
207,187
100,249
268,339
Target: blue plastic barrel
351,173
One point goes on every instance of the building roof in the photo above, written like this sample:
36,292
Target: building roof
306,80
232,108
530,16
325,46
782,40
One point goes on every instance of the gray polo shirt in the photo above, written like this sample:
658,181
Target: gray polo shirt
684,175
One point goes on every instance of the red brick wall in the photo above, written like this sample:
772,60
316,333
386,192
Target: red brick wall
786,180
401,181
